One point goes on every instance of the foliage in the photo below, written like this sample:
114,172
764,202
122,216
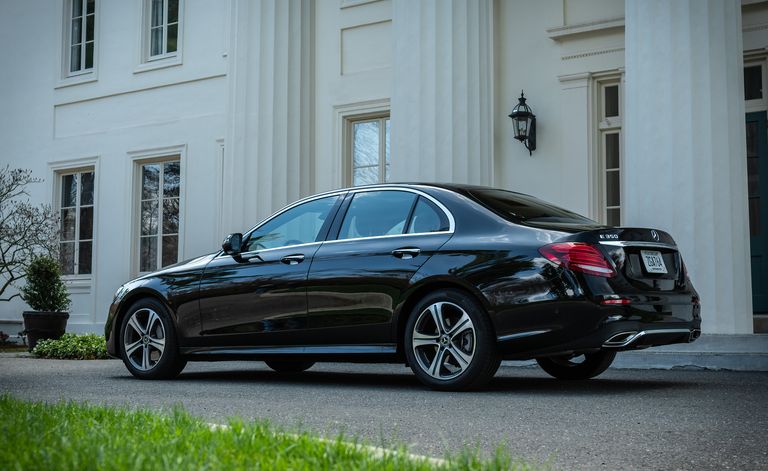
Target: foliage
25,229
73,347
44,290
75,436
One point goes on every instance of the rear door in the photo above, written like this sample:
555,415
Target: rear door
383,236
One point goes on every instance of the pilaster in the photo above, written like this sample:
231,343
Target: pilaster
267,160
685,145
442,98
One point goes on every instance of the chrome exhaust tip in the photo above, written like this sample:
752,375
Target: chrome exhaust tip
622,339
695,334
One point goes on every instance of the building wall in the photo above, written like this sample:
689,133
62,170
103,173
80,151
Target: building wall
48,123
258,104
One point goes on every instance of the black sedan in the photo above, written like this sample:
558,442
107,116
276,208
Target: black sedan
449,279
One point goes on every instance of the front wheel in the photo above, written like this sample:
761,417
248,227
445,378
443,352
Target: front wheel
148,341
450,343
585,366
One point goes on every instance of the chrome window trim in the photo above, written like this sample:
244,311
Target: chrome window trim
632,243
448,214
283,247
344,192
388,236
293,205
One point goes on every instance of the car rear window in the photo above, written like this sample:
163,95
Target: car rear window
526,208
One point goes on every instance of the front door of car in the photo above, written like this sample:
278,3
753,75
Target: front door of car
259,297
356,280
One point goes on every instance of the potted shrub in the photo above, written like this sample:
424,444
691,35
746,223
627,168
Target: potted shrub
46,294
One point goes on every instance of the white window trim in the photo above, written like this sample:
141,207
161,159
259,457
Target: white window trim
349,123
148,62
760,104
147,156
67,78
344,116
603,126
80,283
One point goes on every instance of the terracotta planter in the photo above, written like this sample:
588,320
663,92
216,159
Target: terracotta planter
41,325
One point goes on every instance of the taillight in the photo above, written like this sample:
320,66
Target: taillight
578,256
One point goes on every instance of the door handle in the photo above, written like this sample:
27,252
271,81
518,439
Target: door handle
293,259
406,252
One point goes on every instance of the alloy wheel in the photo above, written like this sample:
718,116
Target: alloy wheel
144,339
444,340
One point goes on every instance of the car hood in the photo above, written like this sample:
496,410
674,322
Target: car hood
197,263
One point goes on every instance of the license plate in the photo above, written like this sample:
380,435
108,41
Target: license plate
653,261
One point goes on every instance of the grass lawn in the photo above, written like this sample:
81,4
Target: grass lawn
82,437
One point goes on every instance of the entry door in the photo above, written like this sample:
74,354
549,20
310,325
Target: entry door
757,171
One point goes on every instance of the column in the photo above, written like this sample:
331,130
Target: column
267,161
685,145
442,94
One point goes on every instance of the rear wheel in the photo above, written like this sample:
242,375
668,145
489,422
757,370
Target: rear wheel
148,341
585,366
289,366
450,343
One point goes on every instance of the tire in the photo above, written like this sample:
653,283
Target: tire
148,344
566,368
457,355
289,366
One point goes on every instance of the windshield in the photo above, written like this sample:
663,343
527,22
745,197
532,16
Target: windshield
526,208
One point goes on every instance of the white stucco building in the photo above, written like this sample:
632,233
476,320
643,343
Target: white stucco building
239,107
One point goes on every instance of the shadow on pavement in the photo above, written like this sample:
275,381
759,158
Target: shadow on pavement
408,382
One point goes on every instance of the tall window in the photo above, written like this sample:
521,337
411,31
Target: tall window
159,214
81,24
369,150
609,165
162,36
76,212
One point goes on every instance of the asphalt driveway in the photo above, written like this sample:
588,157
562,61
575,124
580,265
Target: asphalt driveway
647,419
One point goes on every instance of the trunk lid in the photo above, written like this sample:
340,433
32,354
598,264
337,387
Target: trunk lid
648,259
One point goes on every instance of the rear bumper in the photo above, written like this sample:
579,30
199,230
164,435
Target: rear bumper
586,327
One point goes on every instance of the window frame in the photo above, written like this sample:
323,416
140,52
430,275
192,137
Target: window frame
758,104
83,74
322,233
604,126
333,236
59,172
349,145
137,158
138,200
148,61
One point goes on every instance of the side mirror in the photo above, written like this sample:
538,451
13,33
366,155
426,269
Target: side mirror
233,244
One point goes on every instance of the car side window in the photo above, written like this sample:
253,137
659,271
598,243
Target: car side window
299,225
377,213
427,217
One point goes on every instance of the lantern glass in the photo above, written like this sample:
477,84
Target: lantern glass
522,127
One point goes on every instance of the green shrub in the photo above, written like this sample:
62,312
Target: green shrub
73,347
44,290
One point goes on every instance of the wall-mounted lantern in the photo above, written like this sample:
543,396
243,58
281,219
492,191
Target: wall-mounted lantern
525,124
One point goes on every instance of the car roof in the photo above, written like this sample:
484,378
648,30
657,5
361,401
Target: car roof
461,188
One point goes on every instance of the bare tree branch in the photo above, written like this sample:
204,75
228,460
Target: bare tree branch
26,230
